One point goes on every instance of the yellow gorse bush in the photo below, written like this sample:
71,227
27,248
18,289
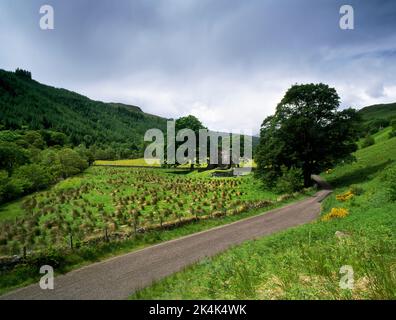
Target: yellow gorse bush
345,196
335,213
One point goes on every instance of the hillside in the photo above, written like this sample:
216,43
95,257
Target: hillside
379,111
377,117
25,103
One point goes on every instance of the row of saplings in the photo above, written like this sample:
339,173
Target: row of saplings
139,202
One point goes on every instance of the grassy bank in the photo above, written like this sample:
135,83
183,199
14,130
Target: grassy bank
305,262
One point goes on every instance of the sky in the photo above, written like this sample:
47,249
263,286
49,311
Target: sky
228,62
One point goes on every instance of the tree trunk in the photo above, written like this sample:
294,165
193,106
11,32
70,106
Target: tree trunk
307,178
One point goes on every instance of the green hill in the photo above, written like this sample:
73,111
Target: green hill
377,117
378,111
28,104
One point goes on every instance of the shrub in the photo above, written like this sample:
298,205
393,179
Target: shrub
393,124
368,141
335,213
345,196
292,180
376,125
390,183
356,190
35,139
15,187
50,257
3,184
71,162
393,132
12,156
35,176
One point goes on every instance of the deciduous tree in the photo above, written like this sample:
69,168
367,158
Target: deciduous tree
307,131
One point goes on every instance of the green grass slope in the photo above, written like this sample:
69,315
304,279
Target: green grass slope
25,103
370,162
377,117
382,135
305,262
379,111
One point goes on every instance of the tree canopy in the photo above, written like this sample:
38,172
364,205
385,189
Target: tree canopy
306,132
193,123
33,160
189,122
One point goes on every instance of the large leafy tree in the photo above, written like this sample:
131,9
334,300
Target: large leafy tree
306,132
189,122
71,162
11,156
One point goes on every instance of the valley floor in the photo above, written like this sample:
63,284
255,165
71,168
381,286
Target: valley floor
106,212
348,253
118,277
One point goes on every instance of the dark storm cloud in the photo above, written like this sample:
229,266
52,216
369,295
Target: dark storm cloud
208,57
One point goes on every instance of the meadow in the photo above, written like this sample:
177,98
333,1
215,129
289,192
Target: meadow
106,203
107,211
129,163
357,228
141,162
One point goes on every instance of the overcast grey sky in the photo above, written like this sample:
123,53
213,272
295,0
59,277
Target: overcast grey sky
229,62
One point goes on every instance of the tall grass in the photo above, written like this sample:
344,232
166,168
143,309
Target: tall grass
305,262
67,259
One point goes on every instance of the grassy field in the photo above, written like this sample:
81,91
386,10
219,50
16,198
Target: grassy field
129,163
108,211
121,201
154,163
305,262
